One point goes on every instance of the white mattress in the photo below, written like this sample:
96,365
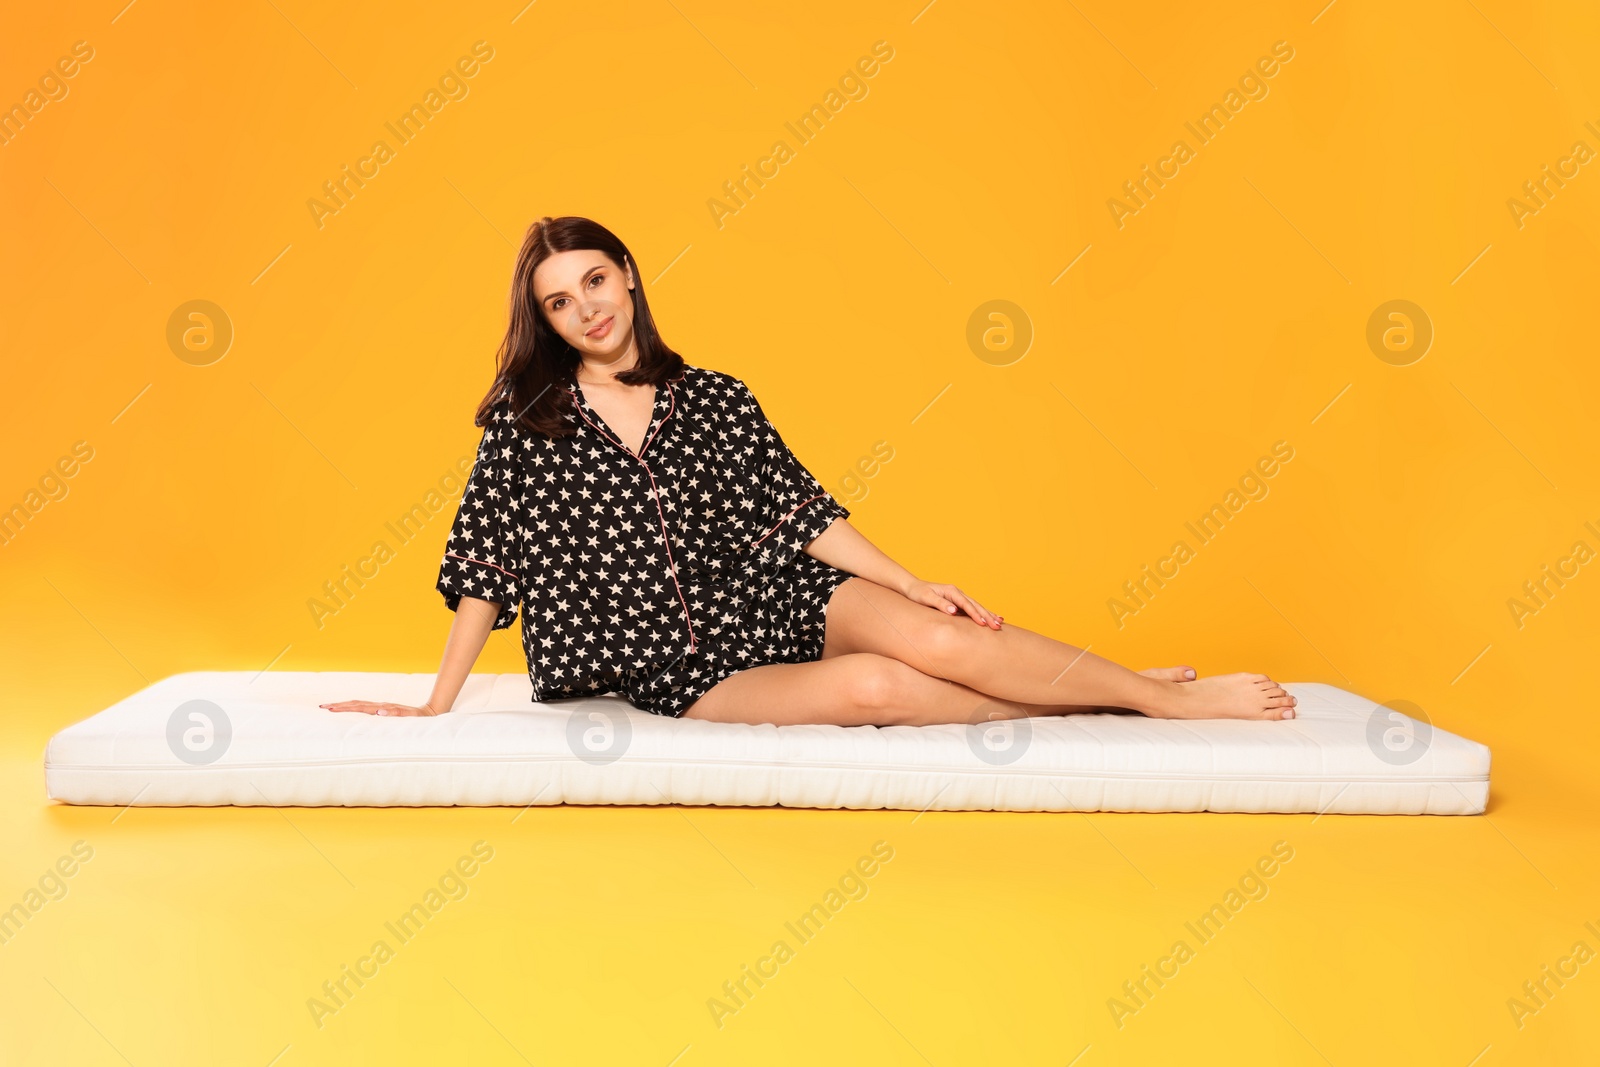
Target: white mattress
272,744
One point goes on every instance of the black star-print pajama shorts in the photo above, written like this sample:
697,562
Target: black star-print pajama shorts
783,622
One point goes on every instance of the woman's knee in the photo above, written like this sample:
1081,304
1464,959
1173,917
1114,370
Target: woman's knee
948,643
880,685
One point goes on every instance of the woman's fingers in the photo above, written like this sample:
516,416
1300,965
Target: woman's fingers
969,606
981,615
366,707
952,601
935,597
974,609
375,707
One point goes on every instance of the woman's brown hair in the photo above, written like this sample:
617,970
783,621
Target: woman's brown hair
535,362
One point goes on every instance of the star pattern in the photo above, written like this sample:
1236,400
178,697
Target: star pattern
653,574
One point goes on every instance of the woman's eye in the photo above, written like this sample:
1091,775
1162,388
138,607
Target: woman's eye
597,278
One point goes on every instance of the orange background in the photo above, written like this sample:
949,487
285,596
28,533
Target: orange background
1229,313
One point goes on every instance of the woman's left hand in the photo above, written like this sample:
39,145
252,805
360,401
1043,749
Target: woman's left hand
949,599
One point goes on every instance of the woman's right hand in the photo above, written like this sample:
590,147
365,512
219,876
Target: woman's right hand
373,707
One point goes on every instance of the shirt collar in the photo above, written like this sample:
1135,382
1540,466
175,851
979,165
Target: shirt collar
666,403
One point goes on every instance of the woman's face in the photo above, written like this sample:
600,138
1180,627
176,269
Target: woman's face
586,298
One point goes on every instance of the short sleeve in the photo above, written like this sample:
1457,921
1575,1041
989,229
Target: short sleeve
795,506
483,557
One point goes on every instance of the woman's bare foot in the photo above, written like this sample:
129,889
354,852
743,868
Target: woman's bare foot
1226,696
1184,675
1170,674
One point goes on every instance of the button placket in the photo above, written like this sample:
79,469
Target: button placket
656,425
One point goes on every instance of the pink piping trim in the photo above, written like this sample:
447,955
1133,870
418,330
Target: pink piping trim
666,541
486,563
672,405
785,519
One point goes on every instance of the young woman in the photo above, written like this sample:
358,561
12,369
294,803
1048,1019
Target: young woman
663,542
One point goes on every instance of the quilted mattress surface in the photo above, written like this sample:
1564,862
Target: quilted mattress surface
254,738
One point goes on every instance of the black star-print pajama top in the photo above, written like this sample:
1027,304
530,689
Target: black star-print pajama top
657,574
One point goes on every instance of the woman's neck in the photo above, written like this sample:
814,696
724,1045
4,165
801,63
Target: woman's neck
602,374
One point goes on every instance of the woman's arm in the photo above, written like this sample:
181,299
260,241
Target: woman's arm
482,555
469,632
843,546
819,527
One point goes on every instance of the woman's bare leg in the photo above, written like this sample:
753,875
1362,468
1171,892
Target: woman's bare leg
855,689
1018,665
862,688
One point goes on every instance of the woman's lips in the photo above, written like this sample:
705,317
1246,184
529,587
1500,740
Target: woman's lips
601,330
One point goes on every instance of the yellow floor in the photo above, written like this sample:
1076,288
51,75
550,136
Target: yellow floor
614,935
